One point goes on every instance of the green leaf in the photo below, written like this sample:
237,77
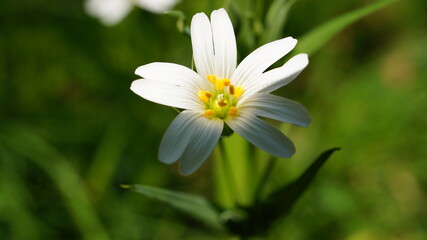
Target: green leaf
16,200
317,38
195,206
278,204
275,20
282,200
106,158
24,142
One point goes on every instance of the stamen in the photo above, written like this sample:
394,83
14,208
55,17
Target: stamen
231,90
226,82
209,113
211,78
232,111
219,84
204,96
238,92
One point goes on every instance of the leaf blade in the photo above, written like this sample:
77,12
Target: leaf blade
311,42
288,195
279,203
275,20
196,206
25,142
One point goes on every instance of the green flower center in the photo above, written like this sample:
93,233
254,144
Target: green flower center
222,102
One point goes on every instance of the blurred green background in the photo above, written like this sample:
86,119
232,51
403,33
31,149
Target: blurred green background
71,131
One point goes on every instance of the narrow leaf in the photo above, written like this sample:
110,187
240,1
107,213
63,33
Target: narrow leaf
23,142
195,206
106,158
279,203
275,20
314,40
284,198
16,200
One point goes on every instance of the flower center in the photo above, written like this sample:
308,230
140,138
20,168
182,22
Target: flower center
221,102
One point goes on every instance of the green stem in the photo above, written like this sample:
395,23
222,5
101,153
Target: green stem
232,186
253,165
268,170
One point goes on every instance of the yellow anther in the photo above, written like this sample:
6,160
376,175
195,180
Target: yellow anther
204,96
219,84
232,111
231,90
238,92
211,78
209,113
226,82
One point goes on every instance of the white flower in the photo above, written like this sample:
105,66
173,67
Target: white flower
221,92
110,12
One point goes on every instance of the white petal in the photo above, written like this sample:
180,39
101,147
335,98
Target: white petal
262,135
177,136
167,94
251,68
201,39
206,134
110,12
224,44
156,6
173,74
279,77
277,108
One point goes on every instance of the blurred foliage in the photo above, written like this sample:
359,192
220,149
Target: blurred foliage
71,131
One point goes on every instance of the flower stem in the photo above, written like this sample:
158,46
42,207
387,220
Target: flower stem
232,186
268,170
253,171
